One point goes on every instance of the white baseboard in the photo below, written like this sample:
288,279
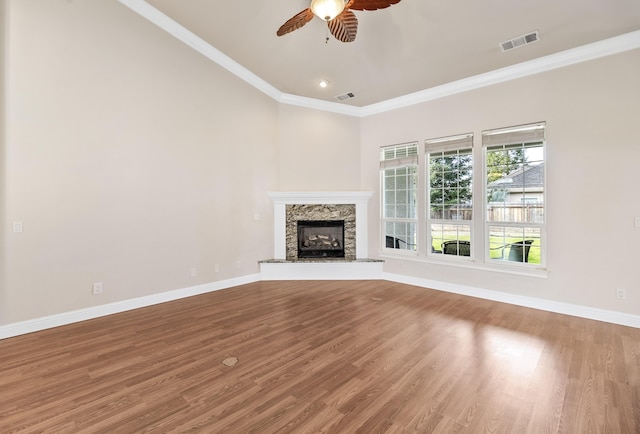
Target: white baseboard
609,316
47,322
43,323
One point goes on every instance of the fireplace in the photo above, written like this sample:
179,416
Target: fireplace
291,207
320,231
320,238
348,207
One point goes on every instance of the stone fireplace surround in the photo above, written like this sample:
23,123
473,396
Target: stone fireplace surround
316,212
289,207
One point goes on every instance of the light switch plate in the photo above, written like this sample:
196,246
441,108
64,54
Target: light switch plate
17,227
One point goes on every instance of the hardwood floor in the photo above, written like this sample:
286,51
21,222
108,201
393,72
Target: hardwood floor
330,356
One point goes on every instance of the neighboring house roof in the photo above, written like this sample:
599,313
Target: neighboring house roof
529,176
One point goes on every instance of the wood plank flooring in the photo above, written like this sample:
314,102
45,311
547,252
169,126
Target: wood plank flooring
324,357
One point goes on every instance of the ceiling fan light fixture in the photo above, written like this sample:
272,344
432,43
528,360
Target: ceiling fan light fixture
327,9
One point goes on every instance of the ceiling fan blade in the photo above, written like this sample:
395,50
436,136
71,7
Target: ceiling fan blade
295,22
370,5
344,27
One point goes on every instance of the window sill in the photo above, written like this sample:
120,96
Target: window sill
464,262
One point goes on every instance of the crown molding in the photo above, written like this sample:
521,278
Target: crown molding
184,35
319,104
606,47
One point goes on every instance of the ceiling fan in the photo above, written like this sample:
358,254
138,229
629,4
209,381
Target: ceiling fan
342,23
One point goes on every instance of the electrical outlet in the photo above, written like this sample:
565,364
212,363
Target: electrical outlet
97,288
216,268
193,271
17,227
621,293
636,222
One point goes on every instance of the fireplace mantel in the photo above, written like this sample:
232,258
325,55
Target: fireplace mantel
282,199
320,197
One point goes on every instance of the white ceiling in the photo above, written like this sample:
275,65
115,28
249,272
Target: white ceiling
408,47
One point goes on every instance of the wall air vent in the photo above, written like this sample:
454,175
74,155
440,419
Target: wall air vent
346,96
520,41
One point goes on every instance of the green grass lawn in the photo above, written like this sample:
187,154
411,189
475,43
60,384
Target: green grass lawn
496,253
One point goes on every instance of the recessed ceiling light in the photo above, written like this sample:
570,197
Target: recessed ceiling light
324,84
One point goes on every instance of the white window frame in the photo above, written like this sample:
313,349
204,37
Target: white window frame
462,142
480,239
527,136
407,159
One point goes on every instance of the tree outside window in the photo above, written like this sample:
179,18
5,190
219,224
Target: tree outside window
450,192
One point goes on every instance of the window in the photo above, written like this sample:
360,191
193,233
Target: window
427,202
398,170
515,188
450,194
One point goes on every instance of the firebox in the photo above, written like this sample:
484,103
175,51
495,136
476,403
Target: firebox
321,239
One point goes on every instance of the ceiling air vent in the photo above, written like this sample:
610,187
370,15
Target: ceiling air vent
345,96
520,41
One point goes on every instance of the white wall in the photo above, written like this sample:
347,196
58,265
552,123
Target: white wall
318,151
593,158
130,159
